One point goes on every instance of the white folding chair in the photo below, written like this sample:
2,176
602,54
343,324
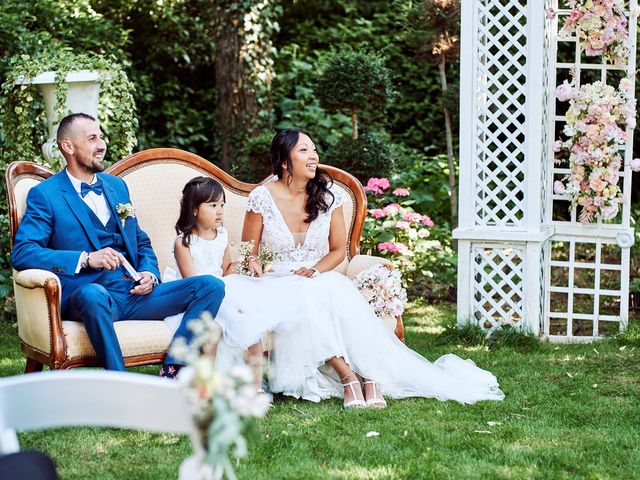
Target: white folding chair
92,397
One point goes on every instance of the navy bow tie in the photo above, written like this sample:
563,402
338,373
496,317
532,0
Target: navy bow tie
96,188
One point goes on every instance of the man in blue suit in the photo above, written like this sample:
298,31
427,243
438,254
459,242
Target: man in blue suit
72,228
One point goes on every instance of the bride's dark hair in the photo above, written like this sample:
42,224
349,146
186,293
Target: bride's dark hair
197,191
317,187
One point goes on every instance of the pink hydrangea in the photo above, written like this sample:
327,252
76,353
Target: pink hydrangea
426,221
424,233
391,209
413,217
377,186
403,226
378,213
402,192
394,247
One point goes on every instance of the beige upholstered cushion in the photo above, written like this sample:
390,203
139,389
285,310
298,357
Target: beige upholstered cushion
21,190
32,308
136,337
360,263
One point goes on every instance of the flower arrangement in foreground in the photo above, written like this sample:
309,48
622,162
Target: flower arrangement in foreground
595,137
601,27
224,404
382,288
245,252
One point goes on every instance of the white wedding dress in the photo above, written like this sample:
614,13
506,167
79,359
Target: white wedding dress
247,311
331,318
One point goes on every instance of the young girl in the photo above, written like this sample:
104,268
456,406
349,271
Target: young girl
201,248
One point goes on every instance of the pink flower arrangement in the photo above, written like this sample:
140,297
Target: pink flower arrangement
401,192
601,27
595,137
564,92
383,290
377,186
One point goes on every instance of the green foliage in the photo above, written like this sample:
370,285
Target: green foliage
469,333
354,80
21,111
512,337
630,337
257,167
367,156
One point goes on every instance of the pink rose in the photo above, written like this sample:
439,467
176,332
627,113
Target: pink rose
609,211
401,192
597,184
426,221
564,92
378,213
550,13
635,164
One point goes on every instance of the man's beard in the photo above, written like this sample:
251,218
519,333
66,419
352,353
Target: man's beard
92,165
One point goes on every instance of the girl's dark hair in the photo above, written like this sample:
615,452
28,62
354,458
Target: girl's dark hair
317,187
196,192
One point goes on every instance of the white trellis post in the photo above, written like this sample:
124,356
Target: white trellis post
510,242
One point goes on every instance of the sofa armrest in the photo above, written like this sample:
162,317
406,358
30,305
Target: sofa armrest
362,262
38,294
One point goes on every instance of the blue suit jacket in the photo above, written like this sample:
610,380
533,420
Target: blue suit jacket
56,229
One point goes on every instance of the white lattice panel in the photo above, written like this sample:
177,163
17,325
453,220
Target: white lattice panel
498,273
585,282
499,190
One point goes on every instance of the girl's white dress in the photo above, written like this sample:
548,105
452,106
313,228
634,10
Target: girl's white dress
248,311
326,316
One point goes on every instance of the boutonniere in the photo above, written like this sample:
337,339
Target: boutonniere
125,210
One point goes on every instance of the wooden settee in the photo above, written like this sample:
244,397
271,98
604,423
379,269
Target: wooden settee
155,179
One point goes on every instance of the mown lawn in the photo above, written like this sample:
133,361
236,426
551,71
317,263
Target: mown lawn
571,411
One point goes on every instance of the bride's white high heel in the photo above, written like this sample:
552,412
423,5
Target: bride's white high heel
356,402
375,402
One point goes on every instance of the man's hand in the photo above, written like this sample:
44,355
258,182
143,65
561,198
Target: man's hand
145,286
107,258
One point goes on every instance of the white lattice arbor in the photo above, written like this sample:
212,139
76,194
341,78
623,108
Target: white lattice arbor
524,259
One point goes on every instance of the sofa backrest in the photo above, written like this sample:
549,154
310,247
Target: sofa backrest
157,176
155,179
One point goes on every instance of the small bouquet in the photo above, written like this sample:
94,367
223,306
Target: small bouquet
224,404
383,290
125,210
245,251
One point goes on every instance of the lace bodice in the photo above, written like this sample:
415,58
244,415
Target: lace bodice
281,241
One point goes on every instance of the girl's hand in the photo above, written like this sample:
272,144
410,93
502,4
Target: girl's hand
255,268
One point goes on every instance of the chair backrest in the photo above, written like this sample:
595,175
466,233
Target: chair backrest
157,176
92,398
20,177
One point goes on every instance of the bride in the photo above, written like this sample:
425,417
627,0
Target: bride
336,345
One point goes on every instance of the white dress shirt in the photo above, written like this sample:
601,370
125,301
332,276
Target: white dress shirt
97,204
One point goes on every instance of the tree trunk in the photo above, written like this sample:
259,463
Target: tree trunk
237,106
451,161
354,124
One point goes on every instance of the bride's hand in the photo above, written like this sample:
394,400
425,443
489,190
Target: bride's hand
255,269
306,272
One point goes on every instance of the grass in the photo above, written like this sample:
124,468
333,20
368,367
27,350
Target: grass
571,411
